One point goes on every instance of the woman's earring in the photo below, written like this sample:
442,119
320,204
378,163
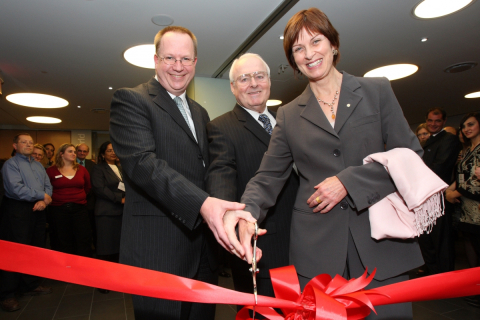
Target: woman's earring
335,52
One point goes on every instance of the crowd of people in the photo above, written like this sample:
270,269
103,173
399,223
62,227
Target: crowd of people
59,199
298,173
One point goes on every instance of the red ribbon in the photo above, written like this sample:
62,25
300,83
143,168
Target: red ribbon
322,298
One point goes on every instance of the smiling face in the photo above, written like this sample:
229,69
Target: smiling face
471,128
313,54
110,156
176,77
37,154
82,151
435,122
254,94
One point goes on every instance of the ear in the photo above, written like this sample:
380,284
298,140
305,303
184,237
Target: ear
155,58
14,146
232,88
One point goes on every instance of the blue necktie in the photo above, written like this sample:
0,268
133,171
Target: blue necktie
266,123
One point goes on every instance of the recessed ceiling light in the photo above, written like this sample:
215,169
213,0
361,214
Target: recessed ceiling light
141,56
424,39
429,9
110,88
473,95
162,20
393,72
44,120
273,102
79,107
281,37
37,100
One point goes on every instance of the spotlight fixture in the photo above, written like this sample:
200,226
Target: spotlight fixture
110,88
37,100
281,37
162,20
141,56
393,72
48,120
424,39
429,9
273,102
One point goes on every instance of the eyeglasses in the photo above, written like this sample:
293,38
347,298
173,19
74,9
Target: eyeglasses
171,60
246,79
26,142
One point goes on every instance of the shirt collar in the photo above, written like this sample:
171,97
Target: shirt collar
182,96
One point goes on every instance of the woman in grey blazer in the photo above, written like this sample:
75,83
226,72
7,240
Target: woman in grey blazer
108,187
327,131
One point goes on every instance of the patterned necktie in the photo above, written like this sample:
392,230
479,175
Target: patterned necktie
266,123
179,103
81,162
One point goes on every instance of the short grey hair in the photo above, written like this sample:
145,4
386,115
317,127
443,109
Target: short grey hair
246,55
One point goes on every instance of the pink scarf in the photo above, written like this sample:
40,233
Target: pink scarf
417,204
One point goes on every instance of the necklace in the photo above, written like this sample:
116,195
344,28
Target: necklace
330,104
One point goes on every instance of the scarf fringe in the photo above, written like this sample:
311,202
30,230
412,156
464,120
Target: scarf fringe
428,212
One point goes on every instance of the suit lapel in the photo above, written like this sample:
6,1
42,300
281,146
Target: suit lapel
348,100
432,139
312,111
199,126
251,124
162,99
110,172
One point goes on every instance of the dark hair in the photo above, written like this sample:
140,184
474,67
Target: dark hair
314,21
49,144
437,111
475,115
17,137
175,29
101,152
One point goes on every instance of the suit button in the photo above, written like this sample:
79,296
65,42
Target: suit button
344,205
200,156
336,153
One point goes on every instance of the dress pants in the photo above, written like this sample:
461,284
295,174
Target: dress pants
147,308
20,224
72,227
354,269
438,246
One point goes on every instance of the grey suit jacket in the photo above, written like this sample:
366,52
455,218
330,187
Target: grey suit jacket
105,187
368,118
164,176
237,143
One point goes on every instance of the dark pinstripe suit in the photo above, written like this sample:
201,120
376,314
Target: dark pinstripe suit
164,179
237,143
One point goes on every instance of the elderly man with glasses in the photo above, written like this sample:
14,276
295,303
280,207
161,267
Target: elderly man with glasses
237,142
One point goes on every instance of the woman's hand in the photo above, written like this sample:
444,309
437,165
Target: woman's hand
329,192
452,196
477,173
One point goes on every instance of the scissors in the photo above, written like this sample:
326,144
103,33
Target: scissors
254,270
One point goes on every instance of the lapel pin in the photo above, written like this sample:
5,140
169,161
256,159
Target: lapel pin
348,105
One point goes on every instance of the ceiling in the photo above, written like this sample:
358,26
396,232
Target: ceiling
74,49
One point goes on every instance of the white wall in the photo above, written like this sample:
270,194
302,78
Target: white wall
212,94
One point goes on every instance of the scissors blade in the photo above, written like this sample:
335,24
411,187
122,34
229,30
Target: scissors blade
254,268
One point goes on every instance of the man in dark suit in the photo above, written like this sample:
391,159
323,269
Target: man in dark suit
237,142
440,154
159,135
82,152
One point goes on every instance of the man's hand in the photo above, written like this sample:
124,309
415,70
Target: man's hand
39,206
47,199
212,212
246,229
329,192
